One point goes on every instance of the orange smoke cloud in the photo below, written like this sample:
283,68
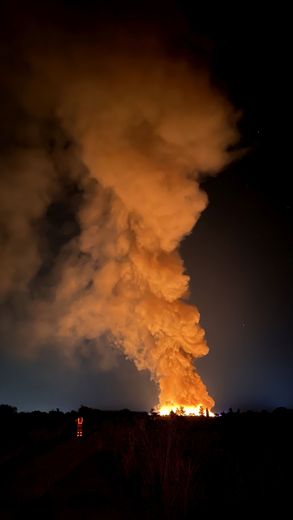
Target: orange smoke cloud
146,129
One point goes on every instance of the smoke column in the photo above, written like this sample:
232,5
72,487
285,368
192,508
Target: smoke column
147,133
143,130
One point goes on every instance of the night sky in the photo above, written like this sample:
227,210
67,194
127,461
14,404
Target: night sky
239,255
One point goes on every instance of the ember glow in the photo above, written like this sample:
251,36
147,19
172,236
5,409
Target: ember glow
184,410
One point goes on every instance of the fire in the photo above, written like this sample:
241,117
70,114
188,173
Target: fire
184,410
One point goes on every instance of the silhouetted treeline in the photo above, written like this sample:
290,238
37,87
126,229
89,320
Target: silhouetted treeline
136,465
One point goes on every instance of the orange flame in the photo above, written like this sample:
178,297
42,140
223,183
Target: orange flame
184,410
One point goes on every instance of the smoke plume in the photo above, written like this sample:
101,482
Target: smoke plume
114,141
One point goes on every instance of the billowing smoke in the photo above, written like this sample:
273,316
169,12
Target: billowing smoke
118,139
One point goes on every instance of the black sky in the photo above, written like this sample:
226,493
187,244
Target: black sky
239,256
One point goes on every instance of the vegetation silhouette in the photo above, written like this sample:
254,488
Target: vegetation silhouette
130,464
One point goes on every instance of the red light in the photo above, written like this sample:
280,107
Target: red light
79,431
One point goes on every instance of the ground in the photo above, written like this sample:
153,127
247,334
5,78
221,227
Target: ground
132,464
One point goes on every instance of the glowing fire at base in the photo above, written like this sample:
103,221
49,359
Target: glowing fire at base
198,410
